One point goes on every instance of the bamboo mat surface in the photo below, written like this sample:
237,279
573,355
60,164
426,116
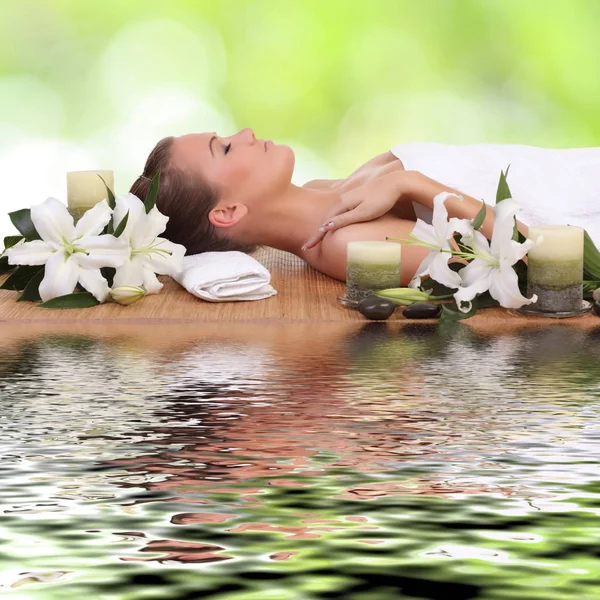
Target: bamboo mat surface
304,295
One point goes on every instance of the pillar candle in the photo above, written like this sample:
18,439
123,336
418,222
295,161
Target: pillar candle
85,189
371,266
555,268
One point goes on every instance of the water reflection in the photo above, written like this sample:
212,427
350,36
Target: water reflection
412,449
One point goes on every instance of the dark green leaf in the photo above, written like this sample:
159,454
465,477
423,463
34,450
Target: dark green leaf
108,273
503,191
4,266
21,219
11,240
76,300
451,313
109,193
152,193
31,292
591,258
121,227
20,278
477,222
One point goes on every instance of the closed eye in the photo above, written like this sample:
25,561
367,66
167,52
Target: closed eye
227,148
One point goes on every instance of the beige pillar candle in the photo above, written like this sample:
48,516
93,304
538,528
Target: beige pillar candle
85,189
371,266
555,268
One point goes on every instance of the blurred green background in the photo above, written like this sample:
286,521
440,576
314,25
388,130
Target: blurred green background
94,84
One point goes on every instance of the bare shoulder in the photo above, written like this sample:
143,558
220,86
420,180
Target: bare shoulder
331,257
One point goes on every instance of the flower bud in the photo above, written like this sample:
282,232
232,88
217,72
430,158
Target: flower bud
127,294
403,296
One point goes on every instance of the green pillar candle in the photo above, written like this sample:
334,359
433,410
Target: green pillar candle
371,266
555,268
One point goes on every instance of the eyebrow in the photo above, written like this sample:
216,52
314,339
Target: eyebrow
212,139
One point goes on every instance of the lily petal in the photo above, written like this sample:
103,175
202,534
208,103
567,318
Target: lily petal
60,276
103,251
93,282
442,273
151,282
129,273
504,221
36,252
439,220
504,287
147,228
165,264
425,232
137,212
52,221
466,294
93,220
475,270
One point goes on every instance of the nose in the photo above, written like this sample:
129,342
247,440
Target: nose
249,134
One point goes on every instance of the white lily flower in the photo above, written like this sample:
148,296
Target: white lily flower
436,237
148,254
71,253
493,268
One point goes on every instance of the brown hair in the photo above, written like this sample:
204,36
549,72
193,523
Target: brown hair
186,200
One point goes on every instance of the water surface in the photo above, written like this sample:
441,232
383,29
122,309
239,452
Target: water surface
300,461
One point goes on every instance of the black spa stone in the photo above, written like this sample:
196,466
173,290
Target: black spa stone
376,308
422,310
597,308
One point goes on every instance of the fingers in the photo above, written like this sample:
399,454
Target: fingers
314,241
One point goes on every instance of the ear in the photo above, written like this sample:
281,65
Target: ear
226,215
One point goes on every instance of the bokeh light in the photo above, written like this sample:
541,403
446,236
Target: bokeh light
96,84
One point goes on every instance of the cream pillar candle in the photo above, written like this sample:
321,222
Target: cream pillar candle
371,266
85,189
555,268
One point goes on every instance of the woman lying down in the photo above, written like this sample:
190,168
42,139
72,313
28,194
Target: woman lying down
236,193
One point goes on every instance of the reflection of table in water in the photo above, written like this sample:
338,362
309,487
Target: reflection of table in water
303,295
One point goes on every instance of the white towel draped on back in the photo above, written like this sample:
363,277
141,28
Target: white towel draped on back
554,187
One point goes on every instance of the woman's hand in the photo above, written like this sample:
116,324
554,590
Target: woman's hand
364,203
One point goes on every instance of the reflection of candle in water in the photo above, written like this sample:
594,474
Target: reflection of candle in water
555,268
85,189
371,266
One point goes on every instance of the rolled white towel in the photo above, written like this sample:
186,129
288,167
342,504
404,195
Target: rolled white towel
225,277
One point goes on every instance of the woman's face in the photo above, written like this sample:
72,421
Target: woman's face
246,169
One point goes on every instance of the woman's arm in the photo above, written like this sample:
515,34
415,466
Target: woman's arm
394,193
419,188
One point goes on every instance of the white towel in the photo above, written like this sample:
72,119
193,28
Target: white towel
225,277
553,187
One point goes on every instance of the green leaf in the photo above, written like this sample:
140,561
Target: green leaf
503,191
21,219
4,266
11,240
121,227
109,193
31,292
76,300
152,193
450,313
20,278
477,222
591,258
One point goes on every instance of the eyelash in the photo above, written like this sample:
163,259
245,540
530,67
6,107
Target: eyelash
227,148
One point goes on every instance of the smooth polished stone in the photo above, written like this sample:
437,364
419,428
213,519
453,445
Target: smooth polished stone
597,308
596,295
376,308
422,310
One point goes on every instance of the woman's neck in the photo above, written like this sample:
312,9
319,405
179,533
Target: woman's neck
291,219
